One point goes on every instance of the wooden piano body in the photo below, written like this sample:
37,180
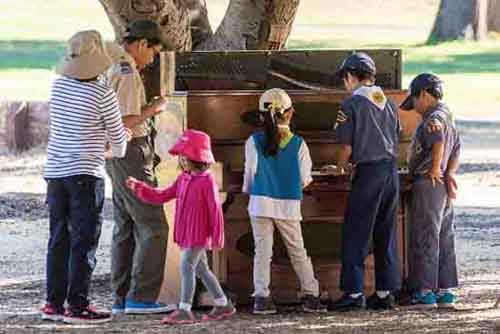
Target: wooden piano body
227,116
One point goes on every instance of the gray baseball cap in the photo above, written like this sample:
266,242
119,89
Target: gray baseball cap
421,82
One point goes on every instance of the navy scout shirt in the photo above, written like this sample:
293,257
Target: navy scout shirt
420,155
369,122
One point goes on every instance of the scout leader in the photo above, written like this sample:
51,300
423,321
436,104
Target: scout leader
367,130
433,158
140,232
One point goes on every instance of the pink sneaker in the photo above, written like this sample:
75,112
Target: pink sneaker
220,312
179,317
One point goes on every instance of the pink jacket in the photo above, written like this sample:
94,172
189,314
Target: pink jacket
199,221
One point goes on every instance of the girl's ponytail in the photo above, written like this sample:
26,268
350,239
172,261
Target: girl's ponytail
272,136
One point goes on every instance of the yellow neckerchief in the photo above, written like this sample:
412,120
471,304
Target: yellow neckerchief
286,136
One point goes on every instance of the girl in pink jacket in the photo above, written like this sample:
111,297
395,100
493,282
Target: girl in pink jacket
199,223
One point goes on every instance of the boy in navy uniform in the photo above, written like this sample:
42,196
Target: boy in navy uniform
432,161
367,130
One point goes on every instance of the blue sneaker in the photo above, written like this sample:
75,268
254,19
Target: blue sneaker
132,307
447,300
422,301
118,307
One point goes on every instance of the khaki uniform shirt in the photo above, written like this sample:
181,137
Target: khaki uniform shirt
124,78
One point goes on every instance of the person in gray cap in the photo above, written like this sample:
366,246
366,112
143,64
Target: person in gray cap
139,243
367,130
433,161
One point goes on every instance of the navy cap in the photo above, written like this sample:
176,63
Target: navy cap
421,82
357,61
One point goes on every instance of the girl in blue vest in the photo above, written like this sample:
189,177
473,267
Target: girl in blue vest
277,167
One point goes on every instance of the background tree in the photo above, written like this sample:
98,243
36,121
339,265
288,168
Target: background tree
247,24
461,19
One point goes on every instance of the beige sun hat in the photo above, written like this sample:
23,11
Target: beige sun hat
276,100
86,56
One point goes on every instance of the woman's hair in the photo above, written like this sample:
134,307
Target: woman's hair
360,74
272,135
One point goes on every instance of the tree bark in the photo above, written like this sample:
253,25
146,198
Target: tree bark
460,19
247,24
494,15
254,25
172,16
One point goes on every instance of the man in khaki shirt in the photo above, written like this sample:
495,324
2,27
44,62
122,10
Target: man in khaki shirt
140,232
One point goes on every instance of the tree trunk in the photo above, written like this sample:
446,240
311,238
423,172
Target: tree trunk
494,15
254,25
460,19
247,24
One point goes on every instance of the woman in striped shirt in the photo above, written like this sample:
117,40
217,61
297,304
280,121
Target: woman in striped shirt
84,119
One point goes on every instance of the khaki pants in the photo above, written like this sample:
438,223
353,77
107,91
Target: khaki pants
291,233
140,233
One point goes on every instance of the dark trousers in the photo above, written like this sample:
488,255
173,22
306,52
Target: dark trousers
75,217
140,232
371,219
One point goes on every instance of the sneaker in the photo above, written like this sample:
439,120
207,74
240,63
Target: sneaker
374,302
446,301
132,307
347,303
118,307
52,313
312,304
179,317
422,301
264,305
86,316
220,312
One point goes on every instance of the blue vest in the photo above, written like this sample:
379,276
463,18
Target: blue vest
278,176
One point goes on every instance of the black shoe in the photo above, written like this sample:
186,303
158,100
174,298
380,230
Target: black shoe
264,305
374,302
87,315
312,304
348,303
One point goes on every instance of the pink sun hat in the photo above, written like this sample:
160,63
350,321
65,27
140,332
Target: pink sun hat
194,145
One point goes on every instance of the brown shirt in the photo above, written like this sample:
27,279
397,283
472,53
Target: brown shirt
124,78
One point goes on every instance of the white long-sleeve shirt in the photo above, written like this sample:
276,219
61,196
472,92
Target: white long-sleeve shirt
264,206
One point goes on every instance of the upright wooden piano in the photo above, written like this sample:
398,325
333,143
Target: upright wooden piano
220,93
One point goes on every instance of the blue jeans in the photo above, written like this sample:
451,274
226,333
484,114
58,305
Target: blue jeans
371,216
75,217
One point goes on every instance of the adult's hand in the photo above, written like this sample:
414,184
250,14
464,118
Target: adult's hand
159,104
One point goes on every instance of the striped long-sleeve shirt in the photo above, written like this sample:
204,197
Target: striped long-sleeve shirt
84,116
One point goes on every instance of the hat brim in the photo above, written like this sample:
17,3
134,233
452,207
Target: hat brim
408,103
84,67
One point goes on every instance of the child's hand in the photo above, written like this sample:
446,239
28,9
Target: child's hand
451,186
132,183
435,176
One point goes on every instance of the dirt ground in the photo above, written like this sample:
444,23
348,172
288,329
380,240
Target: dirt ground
24,233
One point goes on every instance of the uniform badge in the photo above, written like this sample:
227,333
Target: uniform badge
125,67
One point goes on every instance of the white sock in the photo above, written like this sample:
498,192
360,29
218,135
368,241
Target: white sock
185,307
222,301
443,291
383,293
356,295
